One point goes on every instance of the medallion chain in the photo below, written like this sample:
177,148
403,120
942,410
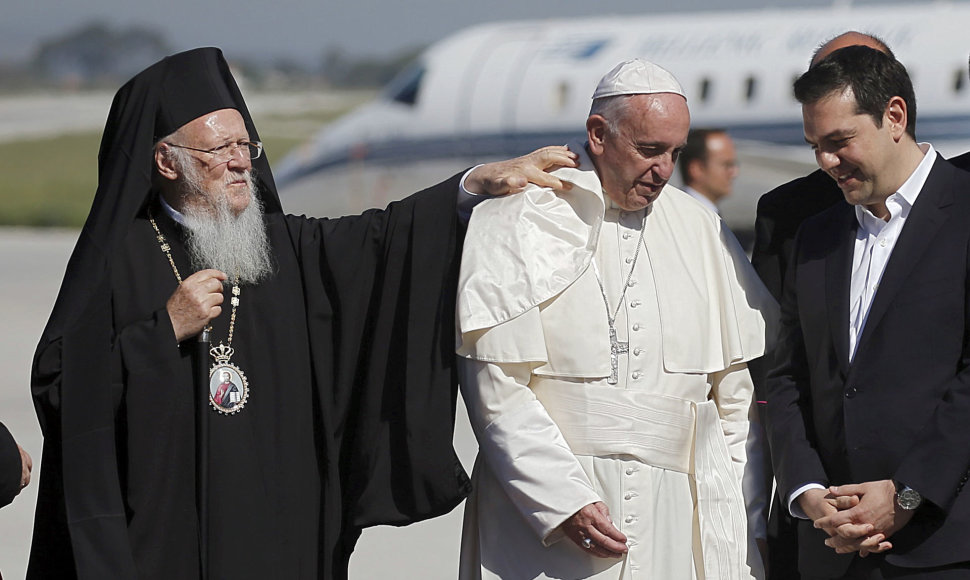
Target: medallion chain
616,347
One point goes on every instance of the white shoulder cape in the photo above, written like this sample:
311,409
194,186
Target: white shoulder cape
522,251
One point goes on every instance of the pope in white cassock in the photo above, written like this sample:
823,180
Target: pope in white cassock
606,330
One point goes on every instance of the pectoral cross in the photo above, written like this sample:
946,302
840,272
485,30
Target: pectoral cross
616,349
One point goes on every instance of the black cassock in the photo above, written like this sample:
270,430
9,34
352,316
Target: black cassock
348,351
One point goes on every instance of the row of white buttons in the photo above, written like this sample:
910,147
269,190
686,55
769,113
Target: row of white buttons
634,303
630,518
635,375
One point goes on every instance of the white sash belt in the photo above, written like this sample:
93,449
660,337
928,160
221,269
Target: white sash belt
665,432
601,421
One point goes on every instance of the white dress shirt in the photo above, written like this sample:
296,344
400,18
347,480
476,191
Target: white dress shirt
874,243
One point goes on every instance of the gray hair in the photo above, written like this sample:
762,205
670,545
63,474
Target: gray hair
613,109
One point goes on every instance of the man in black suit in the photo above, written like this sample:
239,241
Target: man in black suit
780,212
962,161
870,387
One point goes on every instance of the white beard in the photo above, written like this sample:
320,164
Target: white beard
219,239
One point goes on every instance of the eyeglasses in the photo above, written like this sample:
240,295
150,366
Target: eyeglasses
224,153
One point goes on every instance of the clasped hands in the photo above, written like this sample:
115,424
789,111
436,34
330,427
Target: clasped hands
857,517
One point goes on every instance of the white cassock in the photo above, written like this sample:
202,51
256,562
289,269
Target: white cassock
665,447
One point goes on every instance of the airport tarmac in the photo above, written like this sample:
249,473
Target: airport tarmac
32,263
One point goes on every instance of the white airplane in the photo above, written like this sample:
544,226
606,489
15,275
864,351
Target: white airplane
500,90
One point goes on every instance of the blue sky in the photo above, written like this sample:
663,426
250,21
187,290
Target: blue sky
304,29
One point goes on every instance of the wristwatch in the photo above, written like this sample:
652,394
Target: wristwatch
907,498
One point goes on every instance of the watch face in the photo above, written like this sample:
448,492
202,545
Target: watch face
909,499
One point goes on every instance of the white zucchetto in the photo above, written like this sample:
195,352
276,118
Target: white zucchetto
637,77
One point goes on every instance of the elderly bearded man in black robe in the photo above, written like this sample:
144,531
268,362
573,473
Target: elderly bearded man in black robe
341,330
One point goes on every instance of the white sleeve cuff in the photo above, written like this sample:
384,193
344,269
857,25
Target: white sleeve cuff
468,200
793,508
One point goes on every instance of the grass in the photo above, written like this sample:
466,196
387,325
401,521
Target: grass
50,182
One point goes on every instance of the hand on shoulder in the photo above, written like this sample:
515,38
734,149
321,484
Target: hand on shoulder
513,175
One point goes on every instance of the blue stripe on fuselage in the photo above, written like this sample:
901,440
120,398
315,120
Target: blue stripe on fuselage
505,145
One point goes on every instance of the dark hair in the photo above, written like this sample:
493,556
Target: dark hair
873,76
695,149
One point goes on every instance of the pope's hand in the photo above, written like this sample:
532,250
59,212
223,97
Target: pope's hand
592,530
512,176
195,302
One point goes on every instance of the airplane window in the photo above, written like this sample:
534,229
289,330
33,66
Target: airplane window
704,91
750,89
561,96
405,86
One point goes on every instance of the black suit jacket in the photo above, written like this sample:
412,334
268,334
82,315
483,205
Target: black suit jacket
780,213
901,410
963,161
